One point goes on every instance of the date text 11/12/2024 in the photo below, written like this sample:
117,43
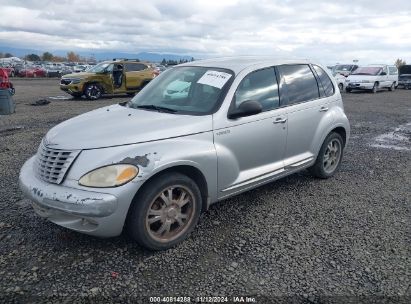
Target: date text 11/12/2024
205,299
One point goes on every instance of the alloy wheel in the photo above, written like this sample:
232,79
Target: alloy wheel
170,213
332,156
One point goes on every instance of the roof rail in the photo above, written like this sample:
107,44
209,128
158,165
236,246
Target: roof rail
125,59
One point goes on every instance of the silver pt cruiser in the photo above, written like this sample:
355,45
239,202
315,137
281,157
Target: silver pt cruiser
198,133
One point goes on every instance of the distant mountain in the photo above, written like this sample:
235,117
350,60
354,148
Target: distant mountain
103,55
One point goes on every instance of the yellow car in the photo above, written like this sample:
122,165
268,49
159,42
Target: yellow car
119,76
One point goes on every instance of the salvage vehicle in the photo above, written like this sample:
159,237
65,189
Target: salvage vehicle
404,77
8,69
119,76
373,77
153,164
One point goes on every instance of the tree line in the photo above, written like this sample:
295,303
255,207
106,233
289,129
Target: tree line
47,56
175,62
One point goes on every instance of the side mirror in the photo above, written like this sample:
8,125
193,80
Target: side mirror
246,108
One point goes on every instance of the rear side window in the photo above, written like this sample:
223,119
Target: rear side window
130,67
259,86
325,81
301,83
393,70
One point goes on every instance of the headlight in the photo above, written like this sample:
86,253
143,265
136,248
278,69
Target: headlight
109,176
76,80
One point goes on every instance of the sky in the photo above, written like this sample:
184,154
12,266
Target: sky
371,31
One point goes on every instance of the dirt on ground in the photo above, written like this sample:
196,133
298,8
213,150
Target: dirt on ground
298,239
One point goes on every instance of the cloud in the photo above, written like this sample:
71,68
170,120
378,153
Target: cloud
327,31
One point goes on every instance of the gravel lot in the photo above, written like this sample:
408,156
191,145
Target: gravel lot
298,239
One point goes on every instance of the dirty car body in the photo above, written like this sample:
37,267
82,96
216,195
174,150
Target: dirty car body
246,125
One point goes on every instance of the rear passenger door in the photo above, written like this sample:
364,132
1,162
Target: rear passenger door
307,97
135,73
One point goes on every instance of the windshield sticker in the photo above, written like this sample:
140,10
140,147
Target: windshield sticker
214,79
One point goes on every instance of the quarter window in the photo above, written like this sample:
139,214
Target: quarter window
325,81
301,83
259,86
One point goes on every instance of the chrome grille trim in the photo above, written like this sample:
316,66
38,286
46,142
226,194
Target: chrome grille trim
53,164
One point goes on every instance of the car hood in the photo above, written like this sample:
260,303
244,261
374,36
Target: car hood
78,75
118,125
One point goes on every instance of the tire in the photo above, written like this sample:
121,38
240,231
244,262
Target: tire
158,224
392,87
93,91
348,90
12,74
322,170
375,88
341,87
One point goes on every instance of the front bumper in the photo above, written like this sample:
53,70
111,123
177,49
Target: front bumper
84,211
72,88
360,85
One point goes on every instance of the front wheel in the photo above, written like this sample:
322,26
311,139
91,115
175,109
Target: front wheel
93,91
375,88
341,87
165,212
329,158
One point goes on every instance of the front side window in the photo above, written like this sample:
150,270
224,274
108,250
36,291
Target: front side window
300,82
100,68
393,71
259,86
185,90
324,80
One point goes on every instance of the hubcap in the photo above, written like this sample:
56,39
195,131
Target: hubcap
332,156
170,213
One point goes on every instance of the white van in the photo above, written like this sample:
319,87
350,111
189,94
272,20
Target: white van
373,77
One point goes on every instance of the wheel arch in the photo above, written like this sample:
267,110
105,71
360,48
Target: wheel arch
188,170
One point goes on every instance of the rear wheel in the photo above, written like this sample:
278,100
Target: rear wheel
329,158
165,212
375,88
93,91
392,87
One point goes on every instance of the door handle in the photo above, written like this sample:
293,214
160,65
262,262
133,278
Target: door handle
323,109
280,120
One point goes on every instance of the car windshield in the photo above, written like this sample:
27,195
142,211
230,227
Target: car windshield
99,68
184,90
341,67
367,71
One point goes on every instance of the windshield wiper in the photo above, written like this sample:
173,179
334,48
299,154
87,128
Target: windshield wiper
157,108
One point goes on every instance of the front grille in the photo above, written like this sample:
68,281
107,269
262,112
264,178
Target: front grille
65,81
52,164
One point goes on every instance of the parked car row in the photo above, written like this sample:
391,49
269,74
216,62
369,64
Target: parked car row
372,77
45,69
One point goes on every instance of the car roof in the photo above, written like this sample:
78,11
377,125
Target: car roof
237,64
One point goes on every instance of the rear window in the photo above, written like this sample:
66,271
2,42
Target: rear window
300,82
